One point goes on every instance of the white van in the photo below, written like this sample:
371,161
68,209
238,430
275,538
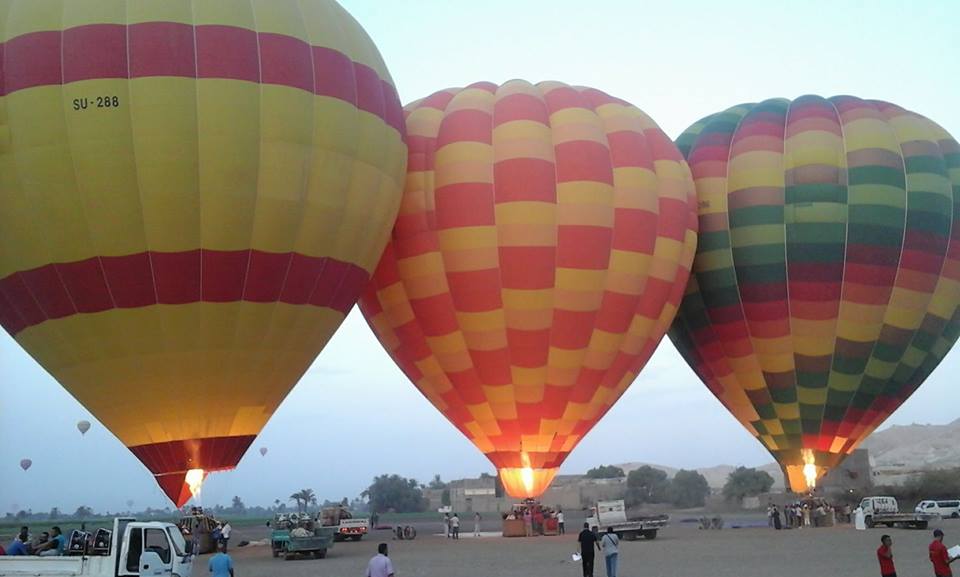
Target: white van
873,506
949,508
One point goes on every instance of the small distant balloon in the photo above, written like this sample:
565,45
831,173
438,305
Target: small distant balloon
263,451
25,464
83,427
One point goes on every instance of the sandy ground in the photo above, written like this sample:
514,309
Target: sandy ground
680,551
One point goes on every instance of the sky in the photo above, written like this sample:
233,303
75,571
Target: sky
354,415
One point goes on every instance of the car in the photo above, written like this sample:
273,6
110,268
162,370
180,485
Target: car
944,508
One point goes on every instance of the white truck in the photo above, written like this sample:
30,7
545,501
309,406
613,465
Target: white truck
886,511
614,514
131,549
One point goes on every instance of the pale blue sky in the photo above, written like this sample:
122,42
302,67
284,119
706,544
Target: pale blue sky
355,415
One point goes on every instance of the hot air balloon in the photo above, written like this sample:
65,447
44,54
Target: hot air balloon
25,464
543,243
263,451
83,427
826,279
192,196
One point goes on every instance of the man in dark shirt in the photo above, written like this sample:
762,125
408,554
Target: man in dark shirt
940,557
587,540
885,557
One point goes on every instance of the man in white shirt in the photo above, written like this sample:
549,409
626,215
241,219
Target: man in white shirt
560,528
380,565
225,535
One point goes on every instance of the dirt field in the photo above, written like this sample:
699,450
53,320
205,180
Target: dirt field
680,551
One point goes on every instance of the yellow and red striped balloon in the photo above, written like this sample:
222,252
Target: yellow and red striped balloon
543,243
826,286
192,196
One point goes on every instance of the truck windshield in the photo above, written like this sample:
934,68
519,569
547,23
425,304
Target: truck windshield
179,543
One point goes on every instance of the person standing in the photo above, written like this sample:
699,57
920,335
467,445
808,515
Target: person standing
940,557
380,565
560,527
221,565
611,551
528,522
776,518
476,523
455,526
587,540
446,525
225,535
885,557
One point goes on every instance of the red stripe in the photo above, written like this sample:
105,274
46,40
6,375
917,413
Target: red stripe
152,49
209,454
94,51
29,298
227,52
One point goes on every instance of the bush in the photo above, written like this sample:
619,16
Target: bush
647,485
689,489
744,482
606,472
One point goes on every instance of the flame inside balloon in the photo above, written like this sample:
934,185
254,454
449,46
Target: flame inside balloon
194,480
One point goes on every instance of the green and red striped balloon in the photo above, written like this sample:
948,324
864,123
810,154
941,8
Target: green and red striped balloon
825,287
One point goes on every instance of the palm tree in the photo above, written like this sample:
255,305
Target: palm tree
304,497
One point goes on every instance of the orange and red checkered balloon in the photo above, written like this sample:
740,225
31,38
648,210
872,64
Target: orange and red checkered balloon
192,196
827,277
543,244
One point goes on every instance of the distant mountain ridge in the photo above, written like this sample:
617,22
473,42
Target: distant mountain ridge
906,448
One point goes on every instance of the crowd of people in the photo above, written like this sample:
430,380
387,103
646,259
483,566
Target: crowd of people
807,513
47,544
538,519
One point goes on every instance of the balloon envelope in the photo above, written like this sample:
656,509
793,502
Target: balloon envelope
827,276
83,427
263,451
542,247
192,196
25,464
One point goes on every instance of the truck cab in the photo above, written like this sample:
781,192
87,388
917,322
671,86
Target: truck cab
131,549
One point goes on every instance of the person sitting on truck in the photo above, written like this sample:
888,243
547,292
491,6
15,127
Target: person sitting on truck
19,545
940,557
54,547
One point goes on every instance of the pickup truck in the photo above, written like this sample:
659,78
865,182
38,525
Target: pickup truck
131,549
886,511
614,514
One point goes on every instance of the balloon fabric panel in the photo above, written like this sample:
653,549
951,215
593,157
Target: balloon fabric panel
826,286
542,245
193,195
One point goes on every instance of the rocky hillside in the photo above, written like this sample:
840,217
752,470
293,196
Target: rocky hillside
916,447
898,448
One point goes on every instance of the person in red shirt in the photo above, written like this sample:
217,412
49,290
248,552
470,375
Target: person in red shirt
885,556
940,557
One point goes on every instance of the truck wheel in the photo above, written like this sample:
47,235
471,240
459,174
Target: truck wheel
287,556
321,554
276,553
868,521
955,515
889,524
630,535
650,535
922,525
